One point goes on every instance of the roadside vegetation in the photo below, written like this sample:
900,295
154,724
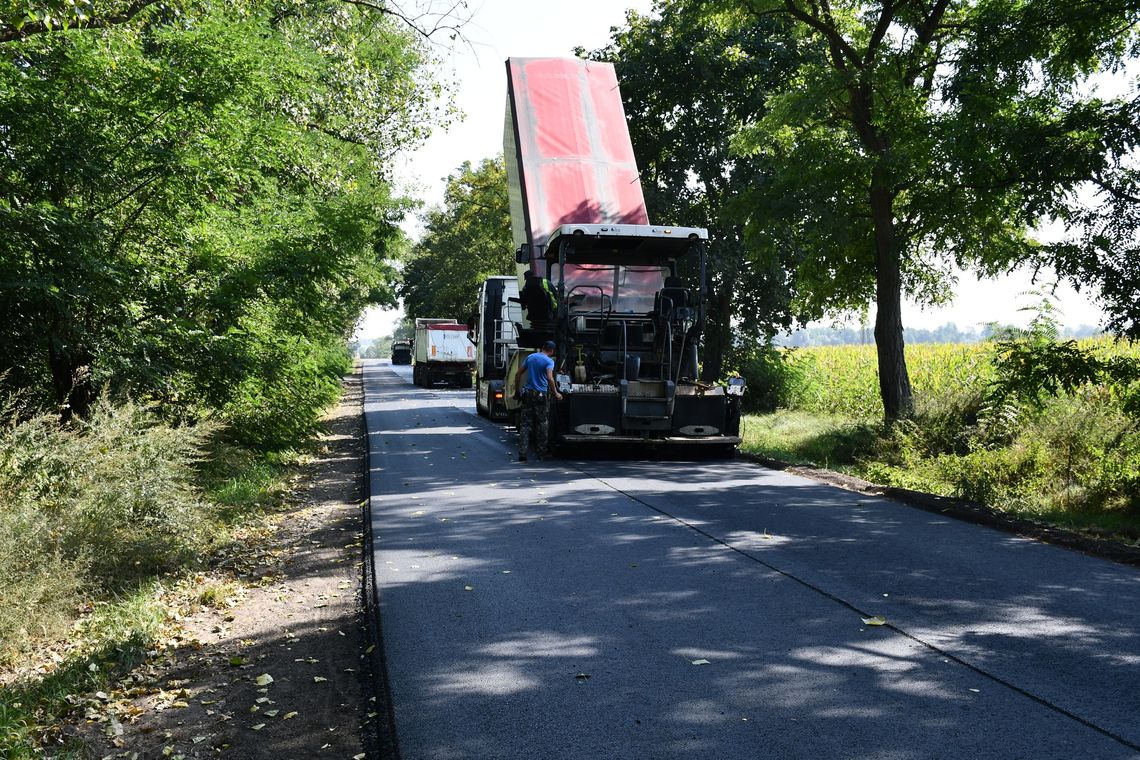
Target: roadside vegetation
113,526
1044,428
196,207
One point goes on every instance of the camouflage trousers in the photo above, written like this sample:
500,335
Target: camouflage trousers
534,422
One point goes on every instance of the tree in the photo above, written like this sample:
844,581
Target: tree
933,131
380,348
194,207
465,241
720,69
20,19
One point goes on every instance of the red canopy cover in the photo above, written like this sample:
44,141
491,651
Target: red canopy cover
567,149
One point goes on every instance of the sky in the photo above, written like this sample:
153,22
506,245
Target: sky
500,29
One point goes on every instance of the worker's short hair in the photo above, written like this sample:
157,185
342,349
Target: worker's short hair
528,273
548,346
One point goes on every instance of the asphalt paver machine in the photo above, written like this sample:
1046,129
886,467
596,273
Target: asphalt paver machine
627,327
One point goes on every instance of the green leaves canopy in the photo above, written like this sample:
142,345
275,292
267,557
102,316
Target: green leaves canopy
466,240
197,202
937,133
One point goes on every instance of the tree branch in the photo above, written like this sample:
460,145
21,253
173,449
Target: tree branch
923,35
886,16
417,22
9,33
841,51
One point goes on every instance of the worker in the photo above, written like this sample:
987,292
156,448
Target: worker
535,381
537,298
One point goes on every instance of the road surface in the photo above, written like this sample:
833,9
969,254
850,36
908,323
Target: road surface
638,609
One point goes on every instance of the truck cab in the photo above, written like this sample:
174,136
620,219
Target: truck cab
402,352
493,331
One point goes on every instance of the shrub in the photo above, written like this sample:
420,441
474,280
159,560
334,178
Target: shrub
90,509
773,381
281,403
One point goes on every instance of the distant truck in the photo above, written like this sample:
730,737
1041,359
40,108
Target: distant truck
402,352
443,353
494,335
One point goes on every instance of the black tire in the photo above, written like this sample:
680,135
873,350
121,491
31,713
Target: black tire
724,451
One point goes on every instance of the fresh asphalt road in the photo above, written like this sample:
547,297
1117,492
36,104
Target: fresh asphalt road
639,609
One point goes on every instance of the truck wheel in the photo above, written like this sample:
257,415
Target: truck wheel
724,451
426,378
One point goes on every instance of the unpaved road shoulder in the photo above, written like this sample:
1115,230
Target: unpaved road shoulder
280,673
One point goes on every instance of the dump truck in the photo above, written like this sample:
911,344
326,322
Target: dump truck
627,326
443,353
402,352
493,331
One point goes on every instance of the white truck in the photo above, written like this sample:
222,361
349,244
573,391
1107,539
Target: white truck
443,353
494,334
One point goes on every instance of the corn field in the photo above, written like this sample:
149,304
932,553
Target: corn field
844,380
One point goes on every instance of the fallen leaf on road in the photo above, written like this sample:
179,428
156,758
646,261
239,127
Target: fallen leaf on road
319,679
258,727
876,620
264,679
271,713
701,662
582,677
289,715
468,588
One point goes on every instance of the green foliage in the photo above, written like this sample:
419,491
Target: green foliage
381,348
113,636
280,405
1037,438
939,134
100,519
89,509
720,68
195,210
465,241
810,439
844,380
1032,365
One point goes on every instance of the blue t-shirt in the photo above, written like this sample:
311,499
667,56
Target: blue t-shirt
536,366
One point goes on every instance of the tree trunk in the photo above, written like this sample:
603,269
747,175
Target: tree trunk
70,377
894,381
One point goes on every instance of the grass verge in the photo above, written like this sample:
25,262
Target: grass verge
1070,466
111,533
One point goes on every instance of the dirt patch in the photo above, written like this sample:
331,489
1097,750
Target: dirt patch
280,668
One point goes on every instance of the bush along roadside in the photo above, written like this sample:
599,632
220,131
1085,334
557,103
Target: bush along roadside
114,528
1041,428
